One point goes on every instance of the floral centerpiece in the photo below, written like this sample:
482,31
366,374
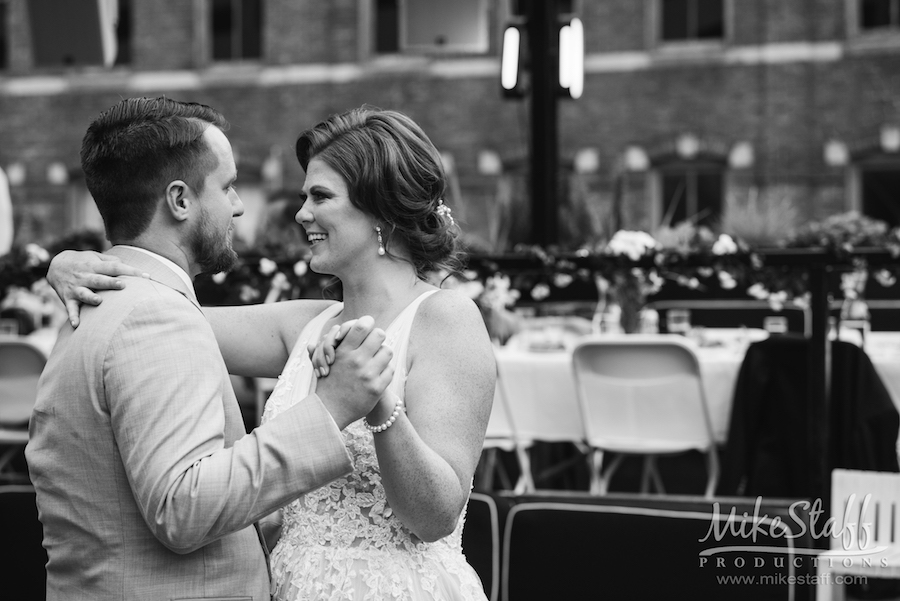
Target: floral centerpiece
627,288
658,257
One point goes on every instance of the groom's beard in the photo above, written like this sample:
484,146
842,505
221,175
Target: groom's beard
212,250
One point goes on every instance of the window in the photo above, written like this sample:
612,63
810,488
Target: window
879,14
387,26
123,33
431,25
873,24
879,185
236,29
691,191
4,37
688,20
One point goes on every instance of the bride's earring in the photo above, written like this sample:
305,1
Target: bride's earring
380,241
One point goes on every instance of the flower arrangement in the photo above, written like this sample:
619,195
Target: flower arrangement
839,235
629,287
626,270
843,232
635,265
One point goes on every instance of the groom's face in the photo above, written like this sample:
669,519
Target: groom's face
212,245
218,204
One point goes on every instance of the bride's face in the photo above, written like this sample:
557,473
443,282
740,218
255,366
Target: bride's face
339,234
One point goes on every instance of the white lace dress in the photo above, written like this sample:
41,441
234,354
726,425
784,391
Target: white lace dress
342,541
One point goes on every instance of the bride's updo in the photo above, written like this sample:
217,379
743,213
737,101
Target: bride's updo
394,173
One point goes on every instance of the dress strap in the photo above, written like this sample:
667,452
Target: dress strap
404,320
398,335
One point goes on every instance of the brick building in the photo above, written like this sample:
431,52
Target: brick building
719,109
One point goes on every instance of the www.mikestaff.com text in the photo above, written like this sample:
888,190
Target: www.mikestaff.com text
798,580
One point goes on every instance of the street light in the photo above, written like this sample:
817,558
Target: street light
511,62
543,58
571,58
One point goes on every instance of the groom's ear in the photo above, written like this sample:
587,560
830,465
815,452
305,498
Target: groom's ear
178,200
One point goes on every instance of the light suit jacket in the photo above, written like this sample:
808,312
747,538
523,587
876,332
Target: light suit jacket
147,485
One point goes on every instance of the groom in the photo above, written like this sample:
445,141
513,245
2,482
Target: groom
147,485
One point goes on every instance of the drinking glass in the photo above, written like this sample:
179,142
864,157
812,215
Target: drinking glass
678,321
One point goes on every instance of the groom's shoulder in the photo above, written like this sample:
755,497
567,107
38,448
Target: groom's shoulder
142,291
141,299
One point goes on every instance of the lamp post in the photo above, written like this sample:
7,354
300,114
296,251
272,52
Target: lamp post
543,57
543,45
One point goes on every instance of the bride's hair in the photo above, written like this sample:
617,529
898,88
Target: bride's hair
394,173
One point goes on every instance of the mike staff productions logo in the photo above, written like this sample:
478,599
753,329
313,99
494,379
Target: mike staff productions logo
857,540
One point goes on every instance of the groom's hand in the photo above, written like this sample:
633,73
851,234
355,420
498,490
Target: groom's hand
359,375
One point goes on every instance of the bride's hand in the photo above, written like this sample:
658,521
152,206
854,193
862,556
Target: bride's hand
76,275
322,353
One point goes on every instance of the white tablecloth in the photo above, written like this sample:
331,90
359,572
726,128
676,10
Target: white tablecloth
542,383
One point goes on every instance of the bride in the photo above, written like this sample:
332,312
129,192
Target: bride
375,218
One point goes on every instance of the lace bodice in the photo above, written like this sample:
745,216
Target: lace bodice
351,520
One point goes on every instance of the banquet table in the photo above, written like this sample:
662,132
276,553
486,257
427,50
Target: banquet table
541,382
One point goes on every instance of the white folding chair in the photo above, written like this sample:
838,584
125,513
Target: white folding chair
540,407
865,507
642,394
21,364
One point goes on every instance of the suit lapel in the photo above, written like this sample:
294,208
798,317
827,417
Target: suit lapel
158,271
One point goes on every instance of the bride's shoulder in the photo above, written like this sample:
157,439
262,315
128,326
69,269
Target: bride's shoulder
449,299
449,309
449,333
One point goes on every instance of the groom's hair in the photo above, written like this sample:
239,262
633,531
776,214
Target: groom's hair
134,149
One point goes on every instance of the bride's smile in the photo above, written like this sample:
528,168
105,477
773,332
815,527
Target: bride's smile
339,234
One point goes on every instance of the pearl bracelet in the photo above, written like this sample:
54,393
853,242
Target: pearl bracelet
390,421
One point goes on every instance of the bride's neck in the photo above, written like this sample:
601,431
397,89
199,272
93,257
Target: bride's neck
382,293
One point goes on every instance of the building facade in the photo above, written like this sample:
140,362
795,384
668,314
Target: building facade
746,115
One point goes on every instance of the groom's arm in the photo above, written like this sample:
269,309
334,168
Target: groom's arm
165,382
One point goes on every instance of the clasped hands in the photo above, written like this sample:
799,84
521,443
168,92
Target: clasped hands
364,362
322,353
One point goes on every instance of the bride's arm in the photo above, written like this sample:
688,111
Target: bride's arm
428,456
255,340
